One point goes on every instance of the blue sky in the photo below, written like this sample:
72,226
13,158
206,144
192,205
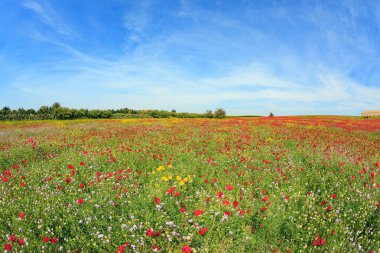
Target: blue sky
248,57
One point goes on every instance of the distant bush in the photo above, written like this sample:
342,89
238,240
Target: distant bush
56,111
220,113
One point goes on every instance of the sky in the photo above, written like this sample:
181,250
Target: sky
248,57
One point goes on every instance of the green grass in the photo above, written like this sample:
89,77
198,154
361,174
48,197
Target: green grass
283,172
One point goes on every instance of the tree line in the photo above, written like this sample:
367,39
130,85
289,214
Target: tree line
56,111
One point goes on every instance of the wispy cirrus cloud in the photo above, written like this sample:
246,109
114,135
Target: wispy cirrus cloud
47,15
248,57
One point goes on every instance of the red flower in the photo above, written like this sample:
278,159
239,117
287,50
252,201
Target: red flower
332,232
372,174
8,247
157,201
226,202
68,180
220,195
236,203
265,199
378,204
21,215
70,166
263,209
82,163
170,191
227,213
182,210
21,241
229,187
186,249
81,186
197,212
333,196
203,231
80,201
150,233
323,202
12,238
54,240
45,239
176,194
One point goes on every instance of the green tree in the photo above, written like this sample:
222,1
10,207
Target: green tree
208,114
219,113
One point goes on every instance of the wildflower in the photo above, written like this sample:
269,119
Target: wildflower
229,187
12,238
197,212
203,231
157,201
54,240
45,239
182,210
8,247
21,215
80,201
186,249
21,241
333,196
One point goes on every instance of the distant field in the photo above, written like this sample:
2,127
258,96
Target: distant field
262,184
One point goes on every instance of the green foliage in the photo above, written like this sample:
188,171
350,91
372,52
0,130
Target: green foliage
56,111
220,113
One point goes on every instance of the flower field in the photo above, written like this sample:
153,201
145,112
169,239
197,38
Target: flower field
282,184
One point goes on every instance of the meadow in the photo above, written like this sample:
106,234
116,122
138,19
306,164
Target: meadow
281,184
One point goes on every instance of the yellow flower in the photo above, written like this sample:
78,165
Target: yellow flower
181,183
170,166
185,179
178,178
153,172
170,177
160,168
165,178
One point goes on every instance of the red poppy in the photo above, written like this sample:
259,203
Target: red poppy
70,166
45,239
80,201
12,238
265,199
21,241
226,202
186,249
229,187
54,240
82,163
220,195
182,210
81,186
236,203
203,231
21,215
170,191
8,247
333,196
197,212
157,201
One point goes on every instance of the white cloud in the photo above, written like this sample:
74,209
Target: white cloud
48,15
